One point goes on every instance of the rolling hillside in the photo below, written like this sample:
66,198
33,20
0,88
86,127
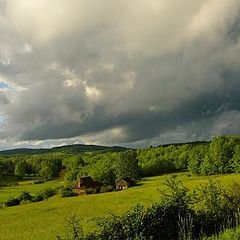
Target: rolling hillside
68,149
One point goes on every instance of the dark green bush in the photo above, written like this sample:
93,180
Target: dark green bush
15,184
108,188
3,184
127,226
25,196
44,194
67,192
12,202
47,193
91,191
37,198
38,182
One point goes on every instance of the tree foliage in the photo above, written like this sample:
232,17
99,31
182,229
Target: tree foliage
127,165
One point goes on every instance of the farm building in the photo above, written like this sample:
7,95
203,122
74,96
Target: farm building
124,183
85,183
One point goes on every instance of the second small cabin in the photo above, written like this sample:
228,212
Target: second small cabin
124,183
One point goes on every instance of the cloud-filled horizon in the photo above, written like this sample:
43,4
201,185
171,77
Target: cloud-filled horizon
130,73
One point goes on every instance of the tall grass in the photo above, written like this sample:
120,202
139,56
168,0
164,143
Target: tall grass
44,220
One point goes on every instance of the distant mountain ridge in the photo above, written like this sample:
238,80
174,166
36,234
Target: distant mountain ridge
80,148
68,149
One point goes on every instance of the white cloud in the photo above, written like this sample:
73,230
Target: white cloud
27,49
93,92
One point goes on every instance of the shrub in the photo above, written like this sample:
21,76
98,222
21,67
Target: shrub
15,184
12,202
103,189
47,193
25,196
91,191
37,198
211,197
2,184
44,194
74,230
130,224
108,188
38,182
232,196
67,192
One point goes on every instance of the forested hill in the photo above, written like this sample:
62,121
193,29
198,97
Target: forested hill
195,143
68,149
220,155
80,148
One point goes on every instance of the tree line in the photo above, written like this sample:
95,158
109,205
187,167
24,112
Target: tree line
219,156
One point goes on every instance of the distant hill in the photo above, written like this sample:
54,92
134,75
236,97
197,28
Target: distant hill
67,149
185,143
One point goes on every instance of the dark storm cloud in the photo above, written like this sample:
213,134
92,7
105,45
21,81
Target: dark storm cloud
127,72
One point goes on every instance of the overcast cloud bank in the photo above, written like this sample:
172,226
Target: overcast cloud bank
136,73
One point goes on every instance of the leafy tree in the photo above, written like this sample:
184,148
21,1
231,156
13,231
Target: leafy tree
20,169
127,165
196,159
50,168
72,175
236,159
221,151
6,167
47,169
74,162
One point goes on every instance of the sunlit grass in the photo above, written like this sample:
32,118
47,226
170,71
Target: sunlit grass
14,191
44,220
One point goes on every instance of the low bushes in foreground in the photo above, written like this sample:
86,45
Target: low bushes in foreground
229,234
26,197
177,216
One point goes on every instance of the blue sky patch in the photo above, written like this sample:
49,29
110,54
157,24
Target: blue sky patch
3,85
2,118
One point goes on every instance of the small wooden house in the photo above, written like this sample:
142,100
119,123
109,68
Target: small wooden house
85,183
124,183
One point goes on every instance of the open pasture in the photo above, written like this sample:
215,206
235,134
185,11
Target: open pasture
44,220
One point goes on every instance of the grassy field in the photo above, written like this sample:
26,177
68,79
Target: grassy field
44,220
15,190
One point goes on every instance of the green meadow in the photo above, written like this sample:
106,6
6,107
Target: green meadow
44,220
28,186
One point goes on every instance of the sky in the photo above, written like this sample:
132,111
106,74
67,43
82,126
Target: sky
131,73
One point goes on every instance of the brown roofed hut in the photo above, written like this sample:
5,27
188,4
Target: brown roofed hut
124,183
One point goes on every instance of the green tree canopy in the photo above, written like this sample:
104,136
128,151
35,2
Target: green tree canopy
127,165
20,169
